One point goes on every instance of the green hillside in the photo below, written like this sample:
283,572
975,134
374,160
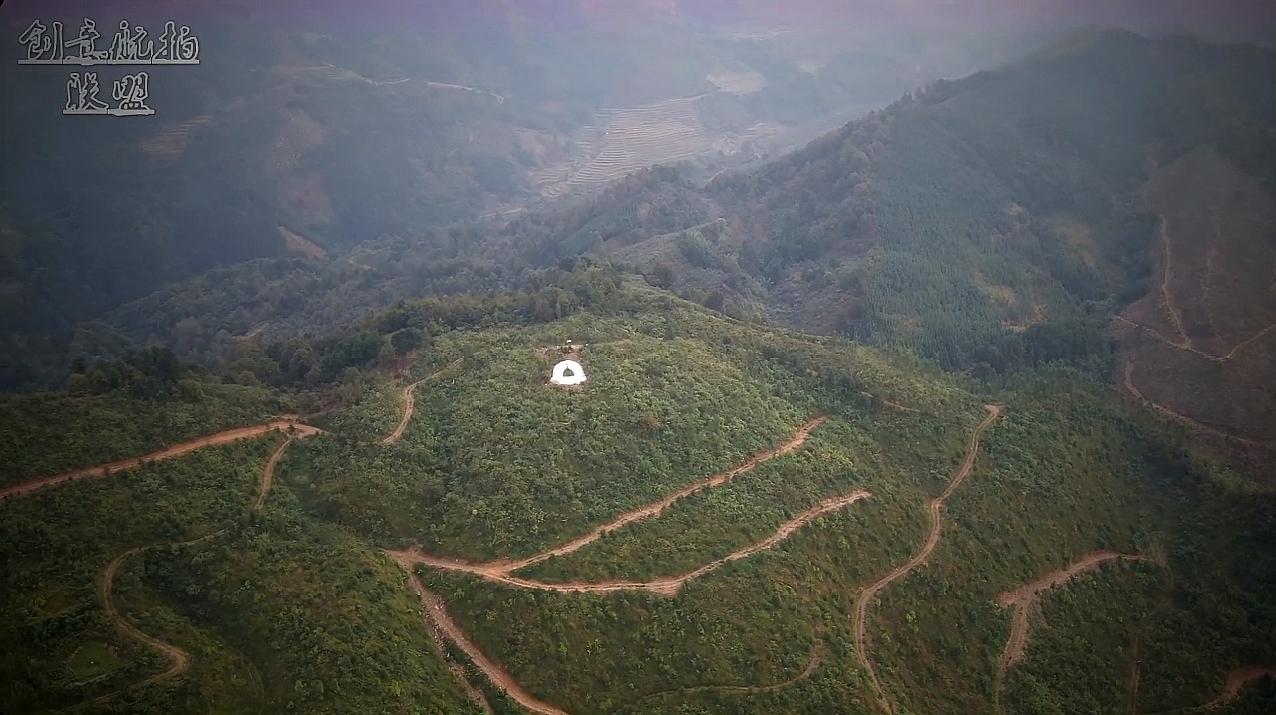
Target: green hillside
990,223
965,407
297,606
970,218
70,426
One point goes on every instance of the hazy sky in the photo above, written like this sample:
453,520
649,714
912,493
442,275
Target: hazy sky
1249,17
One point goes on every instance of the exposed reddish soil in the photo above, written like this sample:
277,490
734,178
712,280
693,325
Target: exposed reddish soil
505,567
179,659
666,586
443,627
440,622
859,623
290,426
1023,598
1237,680
409,407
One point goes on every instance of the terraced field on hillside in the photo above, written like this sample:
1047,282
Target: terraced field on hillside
621,140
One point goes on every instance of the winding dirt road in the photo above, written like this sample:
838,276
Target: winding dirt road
859,621
505,567
1237,680
440,622
179,659
291,426
409,404
1188,421
818,653
443,627
268,474
1023,598
667,586
1188,348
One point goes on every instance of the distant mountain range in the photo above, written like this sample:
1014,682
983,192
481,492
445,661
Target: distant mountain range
338,123
993,223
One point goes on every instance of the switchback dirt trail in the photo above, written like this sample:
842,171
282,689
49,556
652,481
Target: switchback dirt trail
505,567
818,653
436,615
179,659
1166,275
1023,599
1188,348
409,404
104,470
1237,680
1190,422
666,586
440,622
859,621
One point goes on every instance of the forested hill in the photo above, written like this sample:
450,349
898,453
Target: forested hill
990,223
311,127
960,218
761,522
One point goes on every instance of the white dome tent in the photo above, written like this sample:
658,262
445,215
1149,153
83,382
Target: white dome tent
568,372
